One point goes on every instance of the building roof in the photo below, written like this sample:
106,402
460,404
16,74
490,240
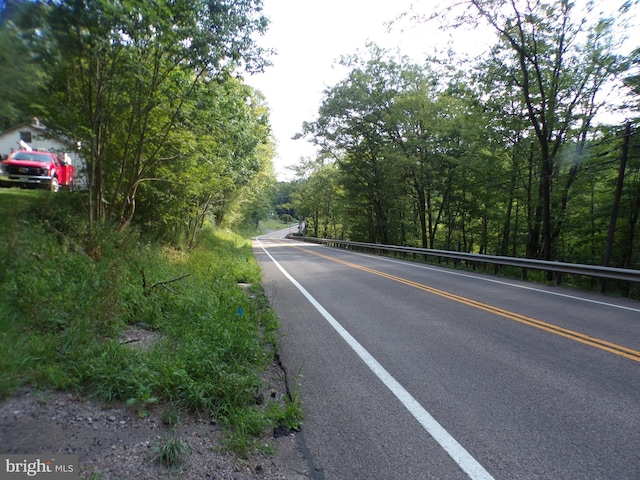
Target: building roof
34,124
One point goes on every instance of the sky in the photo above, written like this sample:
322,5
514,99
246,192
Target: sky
311,35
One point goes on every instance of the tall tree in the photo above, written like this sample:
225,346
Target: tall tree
349,127
559,59
124,72
224,151
399,141
318,196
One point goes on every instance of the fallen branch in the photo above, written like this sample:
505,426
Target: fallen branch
157,284
164,284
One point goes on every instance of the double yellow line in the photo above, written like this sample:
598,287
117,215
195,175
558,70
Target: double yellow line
548,327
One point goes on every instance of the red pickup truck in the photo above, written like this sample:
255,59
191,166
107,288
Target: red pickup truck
32,169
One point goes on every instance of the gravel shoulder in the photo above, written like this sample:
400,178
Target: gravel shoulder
115,442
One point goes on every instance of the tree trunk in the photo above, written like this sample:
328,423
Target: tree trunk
422,213
617,197
506,228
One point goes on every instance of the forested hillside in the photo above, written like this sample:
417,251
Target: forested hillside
509,154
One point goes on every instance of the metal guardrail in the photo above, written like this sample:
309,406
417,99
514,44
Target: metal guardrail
558,268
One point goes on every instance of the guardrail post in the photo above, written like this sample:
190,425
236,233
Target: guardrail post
602,285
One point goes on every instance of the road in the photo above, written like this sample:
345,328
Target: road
410,371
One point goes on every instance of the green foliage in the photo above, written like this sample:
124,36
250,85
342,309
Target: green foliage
17,356
95,475
222,171
505,157
67,298
244,430
291,416
170,452
19,37
170,136
282,201
319,199
172,415
278,223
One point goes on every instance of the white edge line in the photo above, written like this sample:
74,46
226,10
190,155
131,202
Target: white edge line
456,451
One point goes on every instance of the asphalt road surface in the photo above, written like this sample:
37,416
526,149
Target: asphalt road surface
409,371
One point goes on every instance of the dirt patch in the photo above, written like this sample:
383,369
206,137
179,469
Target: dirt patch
115,442
139,337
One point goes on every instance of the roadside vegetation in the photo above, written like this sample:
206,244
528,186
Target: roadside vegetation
528,150
67,298
173,152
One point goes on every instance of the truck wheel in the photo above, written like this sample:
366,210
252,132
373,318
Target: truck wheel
54,186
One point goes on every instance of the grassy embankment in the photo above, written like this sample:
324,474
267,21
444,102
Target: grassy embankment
65,301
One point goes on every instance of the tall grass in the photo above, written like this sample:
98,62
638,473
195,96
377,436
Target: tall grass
66,297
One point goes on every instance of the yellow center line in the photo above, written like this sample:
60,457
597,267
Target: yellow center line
549,327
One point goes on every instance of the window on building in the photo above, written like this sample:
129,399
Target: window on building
25,136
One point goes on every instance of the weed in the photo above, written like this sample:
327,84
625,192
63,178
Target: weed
170,452
244,427
95,475
172,415
13,361
290,414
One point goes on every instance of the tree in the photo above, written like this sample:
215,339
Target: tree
399,141
318,198
542,52
123,73
21,74
353,126
223,137
632,81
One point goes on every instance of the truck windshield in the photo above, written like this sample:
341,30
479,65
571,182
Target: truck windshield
32,156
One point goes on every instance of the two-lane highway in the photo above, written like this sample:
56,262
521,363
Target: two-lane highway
410,371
